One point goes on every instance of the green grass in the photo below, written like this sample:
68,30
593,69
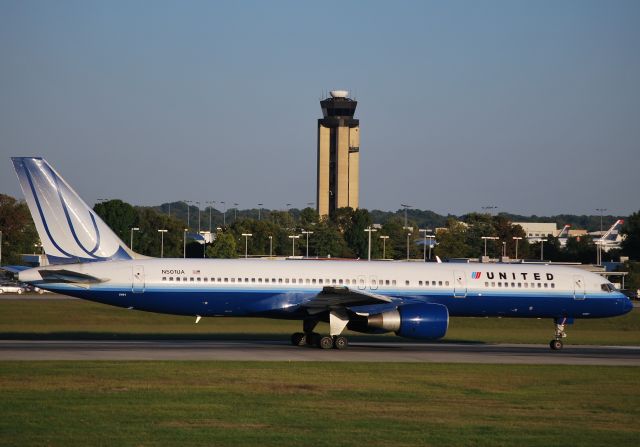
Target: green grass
282,404
58,319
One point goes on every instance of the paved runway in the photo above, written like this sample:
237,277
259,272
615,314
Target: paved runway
280,351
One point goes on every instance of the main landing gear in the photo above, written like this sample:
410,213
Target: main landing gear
319,341
556,344
337,321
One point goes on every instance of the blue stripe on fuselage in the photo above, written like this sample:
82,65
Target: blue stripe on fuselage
286,303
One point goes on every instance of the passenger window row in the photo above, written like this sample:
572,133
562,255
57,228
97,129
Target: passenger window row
520,285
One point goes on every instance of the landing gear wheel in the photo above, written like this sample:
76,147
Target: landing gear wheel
340,342
325,342
556,345
299,339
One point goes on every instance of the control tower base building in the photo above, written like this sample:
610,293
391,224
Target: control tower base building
338,154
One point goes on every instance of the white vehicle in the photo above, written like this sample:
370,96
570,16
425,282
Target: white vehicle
10,288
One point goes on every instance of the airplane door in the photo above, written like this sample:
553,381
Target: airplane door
579,292
373,282
362,283
137,285
459,285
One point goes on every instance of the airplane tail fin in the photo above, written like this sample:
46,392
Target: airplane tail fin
70,231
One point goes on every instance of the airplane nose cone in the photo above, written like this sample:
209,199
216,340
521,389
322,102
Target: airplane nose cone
628,305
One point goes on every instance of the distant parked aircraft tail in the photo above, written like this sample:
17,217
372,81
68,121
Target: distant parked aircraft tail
69,229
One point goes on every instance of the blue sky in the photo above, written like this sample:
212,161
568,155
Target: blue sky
531,106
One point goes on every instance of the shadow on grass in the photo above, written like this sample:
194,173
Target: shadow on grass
78,335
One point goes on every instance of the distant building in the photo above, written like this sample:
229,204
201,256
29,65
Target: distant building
338,154
538,230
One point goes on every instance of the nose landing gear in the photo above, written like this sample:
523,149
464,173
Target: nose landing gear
556,344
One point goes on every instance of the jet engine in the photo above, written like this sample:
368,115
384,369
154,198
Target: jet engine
426,321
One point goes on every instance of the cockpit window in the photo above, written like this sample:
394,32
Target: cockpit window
607,287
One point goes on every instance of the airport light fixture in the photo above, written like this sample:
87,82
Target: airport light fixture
293,244
235,212
308,233
504,249
542,241
493,238
162,232
246,243
370,230
270,246
406,207
260,211
408,236
131,241
224,214
516,238
384,246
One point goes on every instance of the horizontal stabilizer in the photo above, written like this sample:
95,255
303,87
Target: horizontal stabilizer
68,276
14,268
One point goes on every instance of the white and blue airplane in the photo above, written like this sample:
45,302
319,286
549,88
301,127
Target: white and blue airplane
414,300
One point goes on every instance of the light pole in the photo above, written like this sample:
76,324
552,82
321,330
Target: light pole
504,249
0,247
235,212
131,242
408,236
270,246
307,233
204,245
516,238
424,254
599,245
198,205
260,211
162,232
384,246
211,205
187,202
406,207
370,230
485,242
542,241
293,244
184,243
246,243
431,238
224,214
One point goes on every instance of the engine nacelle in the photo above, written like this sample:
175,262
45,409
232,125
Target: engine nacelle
426,321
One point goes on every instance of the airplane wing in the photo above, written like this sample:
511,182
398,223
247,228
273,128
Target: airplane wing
333,297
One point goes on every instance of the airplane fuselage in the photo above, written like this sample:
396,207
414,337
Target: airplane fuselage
281,288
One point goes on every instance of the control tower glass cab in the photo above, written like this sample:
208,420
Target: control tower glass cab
338,154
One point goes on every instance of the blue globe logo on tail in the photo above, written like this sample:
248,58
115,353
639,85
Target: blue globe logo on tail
70,231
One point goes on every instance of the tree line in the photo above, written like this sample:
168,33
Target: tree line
343,235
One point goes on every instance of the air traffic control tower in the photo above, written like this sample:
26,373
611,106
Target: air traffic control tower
338,154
